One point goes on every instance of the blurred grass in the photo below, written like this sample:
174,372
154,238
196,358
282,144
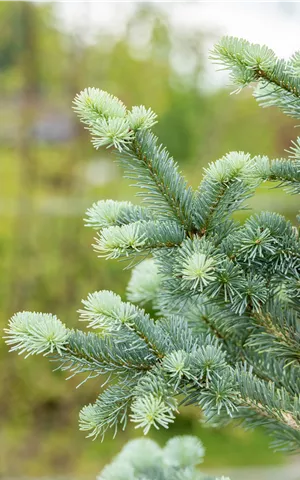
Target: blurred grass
46,185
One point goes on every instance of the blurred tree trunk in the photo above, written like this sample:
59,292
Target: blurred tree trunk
70,244
23,235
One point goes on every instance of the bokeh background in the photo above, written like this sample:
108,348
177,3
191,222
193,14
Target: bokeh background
145,53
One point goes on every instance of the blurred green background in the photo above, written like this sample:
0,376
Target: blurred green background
50,174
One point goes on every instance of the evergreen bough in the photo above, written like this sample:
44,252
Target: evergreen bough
143,459
226,335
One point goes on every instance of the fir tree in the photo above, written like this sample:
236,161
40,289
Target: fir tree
226,335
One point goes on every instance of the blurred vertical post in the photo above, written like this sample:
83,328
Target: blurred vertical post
23,232
73,185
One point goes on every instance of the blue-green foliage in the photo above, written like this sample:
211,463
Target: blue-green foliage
226,336
143,459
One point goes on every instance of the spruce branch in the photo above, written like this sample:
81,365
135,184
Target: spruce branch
137,238
92,104
109,411
109,213
151,165
227,183
106,312
125,356
278,333
141,118
155,172
283,171
295,63
144,283
226,294
144,459
114,132
151,411
279,83
268,401
33,333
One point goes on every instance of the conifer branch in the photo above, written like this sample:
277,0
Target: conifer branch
108,213
143,458
279,83
151,165
157,173
227,183
137,238
226,293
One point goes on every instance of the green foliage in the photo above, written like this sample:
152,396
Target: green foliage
108,213
143,459
226,293
36,333
46,190
278,80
